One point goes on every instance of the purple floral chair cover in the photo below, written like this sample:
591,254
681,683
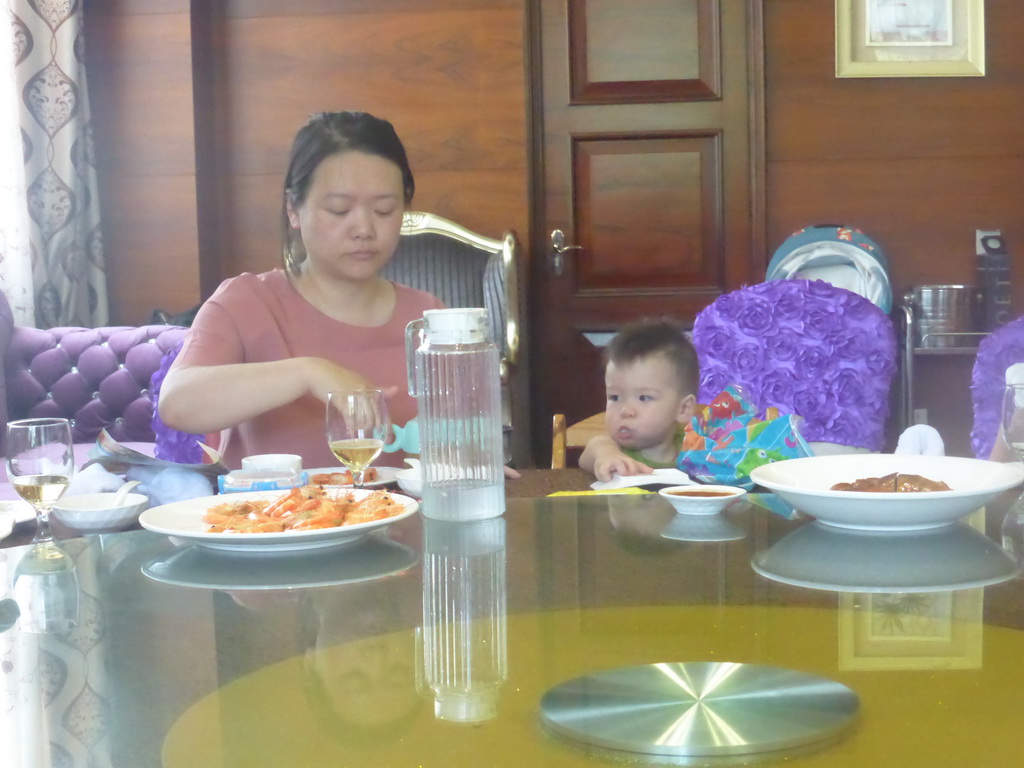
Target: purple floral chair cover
807,348
172,444
996,352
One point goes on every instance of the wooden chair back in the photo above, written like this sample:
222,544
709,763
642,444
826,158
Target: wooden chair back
575,436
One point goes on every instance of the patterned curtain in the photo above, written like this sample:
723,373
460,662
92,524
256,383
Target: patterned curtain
64,243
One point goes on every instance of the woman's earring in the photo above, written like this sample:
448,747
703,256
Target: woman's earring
294,256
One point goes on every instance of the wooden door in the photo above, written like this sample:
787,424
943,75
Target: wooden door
649,161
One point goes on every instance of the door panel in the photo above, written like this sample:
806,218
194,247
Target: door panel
649,115
642,51
665,187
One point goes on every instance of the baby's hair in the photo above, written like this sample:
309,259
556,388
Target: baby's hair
663,336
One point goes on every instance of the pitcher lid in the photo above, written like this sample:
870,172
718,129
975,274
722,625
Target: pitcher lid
456,326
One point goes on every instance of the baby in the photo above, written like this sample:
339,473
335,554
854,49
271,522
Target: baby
651,379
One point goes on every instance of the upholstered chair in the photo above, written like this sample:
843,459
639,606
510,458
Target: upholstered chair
807,348
996,352
98,378
466,269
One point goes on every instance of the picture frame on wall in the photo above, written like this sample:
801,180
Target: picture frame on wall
910,38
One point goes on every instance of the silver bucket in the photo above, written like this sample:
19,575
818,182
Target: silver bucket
946,315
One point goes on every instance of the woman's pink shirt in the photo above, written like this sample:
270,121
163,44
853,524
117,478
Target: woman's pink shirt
260,318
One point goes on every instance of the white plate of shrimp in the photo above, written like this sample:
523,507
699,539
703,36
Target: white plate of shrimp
261,521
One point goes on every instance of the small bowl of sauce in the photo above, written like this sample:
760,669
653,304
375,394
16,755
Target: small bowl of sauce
700,499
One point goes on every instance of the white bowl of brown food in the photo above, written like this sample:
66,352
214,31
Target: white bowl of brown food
879,491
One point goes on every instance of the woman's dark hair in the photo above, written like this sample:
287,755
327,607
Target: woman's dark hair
334,133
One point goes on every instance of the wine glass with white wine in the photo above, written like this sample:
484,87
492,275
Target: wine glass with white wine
40,462
357,426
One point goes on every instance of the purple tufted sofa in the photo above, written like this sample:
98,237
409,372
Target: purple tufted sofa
95,377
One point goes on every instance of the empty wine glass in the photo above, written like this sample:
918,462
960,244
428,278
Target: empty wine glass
357,426
40,462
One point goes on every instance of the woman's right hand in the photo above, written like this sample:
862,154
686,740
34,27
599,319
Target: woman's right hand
202,399
323,376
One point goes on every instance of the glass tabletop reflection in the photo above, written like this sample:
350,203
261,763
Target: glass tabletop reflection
433,644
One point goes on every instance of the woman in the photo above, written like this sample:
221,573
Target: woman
265,350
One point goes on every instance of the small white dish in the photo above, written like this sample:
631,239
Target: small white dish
411,481
385,476
282,462
700,499
96,513
6,524
806,484
22,510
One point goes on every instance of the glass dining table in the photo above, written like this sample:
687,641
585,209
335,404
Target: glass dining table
441,645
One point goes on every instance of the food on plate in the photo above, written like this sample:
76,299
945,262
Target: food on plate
308,508
897,482
342,477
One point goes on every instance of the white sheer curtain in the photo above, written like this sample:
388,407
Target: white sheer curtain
52,260
15,239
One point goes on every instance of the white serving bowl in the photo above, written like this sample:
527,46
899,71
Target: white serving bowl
806,483
411,481
93,513
700,499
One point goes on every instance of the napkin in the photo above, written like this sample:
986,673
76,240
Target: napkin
605,492
667,476
922,440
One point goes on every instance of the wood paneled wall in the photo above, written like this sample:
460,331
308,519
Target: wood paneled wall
449,75
918,163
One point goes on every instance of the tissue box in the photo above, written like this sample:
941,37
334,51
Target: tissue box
241,480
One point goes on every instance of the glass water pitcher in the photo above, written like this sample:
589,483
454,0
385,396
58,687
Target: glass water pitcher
454,373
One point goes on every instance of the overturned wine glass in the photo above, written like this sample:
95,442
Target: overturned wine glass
46,589
1011,430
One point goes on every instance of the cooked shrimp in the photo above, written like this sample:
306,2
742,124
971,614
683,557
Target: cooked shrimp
373,507
302,509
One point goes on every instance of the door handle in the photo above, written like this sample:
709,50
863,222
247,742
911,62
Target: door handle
558,251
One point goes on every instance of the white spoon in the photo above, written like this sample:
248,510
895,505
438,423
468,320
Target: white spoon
122,493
